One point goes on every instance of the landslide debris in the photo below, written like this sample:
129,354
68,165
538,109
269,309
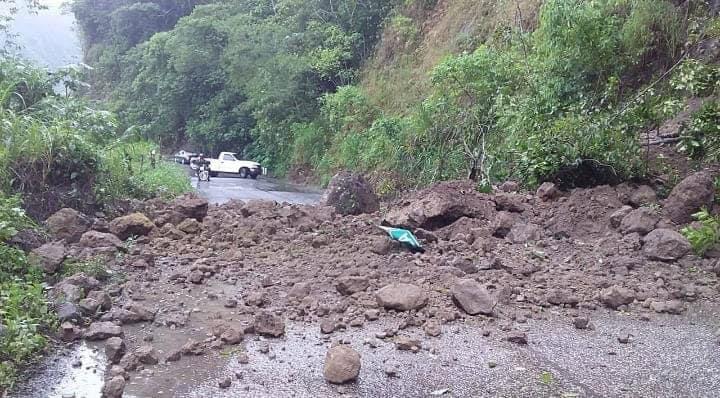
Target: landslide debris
255,268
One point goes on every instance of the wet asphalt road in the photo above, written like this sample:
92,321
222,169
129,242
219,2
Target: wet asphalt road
227,187
668,356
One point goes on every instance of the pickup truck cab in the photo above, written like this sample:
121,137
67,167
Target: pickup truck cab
228,163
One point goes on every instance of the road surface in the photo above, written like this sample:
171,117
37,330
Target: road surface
227,187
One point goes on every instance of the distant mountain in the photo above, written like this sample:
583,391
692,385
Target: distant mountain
48,37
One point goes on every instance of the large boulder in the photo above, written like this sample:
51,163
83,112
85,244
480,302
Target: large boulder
67,224
95,240
441,205
342,364
691,194
50,256
665,245
472,297
642,221
349,193
401,297
135,224
191,207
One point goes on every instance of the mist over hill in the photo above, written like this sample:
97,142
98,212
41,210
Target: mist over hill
48,37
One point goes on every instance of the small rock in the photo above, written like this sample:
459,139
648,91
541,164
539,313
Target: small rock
231,336
196,277
401,297
517,337
68,312
691,194
624,338
547,192
50,256
89,306
404,343
643,195
642,221
230,303
665,245
615,296
472,297
103,298
147,355
372,315
174,356
675,307
103,331
342,364
243,358
269,324
114,349
391,369
225,383
619,214
349,285
114,387
432,328
68,332
327,326
581,322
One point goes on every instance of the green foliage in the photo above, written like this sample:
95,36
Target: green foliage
696,78
239,76
706,235
12,217
133,170
24,314
58,150
701,137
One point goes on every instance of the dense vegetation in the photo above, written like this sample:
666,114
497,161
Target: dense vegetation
57,150
560,95
240,75
24,313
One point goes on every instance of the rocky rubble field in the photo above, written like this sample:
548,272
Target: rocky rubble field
492,262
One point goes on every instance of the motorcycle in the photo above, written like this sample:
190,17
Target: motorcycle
203,172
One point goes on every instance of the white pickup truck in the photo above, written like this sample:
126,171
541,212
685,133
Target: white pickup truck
228,163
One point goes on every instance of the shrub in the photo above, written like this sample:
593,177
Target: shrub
24,313
133,170
706,235
701,138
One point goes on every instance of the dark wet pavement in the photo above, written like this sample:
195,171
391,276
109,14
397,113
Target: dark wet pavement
668,356
228,187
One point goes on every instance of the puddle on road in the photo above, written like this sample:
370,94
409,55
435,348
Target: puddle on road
60,376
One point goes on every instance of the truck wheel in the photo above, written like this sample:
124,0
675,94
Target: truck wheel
243,172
